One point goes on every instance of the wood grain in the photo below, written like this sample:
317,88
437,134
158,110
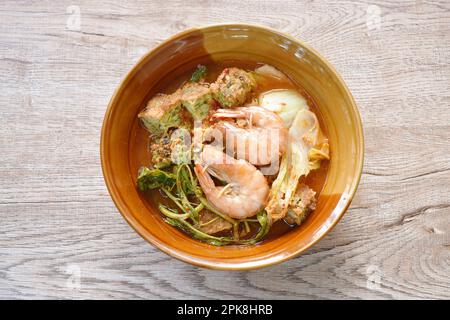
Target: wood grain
56,214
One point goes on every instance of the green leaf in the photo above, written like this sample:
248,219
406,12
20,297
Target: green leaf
162,113
199,108
197,99
170,119
199,73
154,178
197,234
186,184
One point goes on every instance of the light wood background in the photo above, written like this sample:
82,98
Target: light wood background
62,237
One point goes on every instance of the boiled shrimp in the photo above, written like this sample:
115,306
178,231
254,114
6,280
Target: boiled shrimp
258,136
246,189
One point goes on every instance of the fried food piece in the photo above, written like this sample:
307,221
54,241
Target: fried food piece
303,203
210,223
161,150
233,87
165,111
167,150
196,98
162,113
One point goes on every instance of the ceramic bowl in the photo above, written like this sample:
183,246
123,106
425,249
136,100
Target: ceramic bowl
183,52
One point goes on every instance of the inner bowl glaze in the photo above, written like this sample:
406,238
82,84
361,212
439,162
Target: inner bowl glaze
238,42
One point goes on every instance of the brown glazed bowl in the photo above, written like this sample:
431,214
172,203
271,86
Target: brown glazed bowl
233,41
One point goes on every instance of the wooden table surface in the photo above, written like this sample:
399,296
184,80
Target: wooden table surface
60,233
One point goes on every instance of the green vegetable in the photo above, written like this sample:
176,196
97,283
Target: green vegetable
171,119
177,220
182,188
303,135
198,234
173,214
264,226
199,107
223,100
186,180
186,184
199,73
154,178
213,209
196,98
160,125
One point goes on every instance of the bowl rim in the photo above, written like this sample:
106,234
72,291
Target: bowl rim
204,262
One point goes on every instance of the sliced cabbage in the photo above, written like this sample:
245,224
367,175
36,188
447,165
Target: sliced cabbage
304,135
284,102
318,153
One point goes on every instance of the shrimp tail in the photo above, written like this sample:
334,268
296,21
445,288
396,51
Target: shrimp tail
205,180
